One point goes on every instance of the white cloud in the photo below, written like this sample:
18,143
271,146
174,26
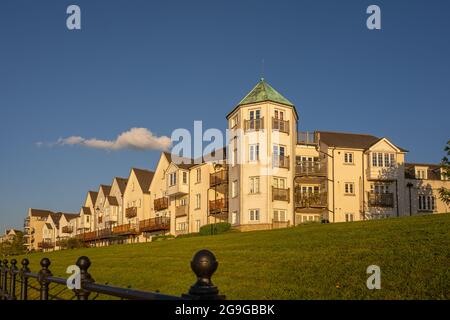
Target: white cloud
135,138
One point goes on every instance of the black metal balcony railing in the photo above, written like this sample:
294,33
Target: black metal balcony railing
218,178
161,203
381,199
280,161
16,282
311,168
280,194
254,124
310,199
308,138
280,125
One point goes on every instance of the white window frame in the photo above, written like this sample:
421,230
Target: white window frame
254,185
254,215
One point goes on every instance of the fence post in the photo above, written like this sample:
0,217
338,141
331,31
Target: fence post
204,264
24,278
83,263
13,272
5,279
1,279
42,278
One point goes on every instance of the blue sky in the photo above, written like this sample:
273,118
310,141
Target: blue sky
135,63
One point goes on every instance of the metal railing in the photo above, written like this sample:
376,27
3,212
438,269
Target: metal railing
279,161
218,206
308,138
254,124
280,194
161,203
311,168
217,178
13,280
310,199
154,224
381,199
280,125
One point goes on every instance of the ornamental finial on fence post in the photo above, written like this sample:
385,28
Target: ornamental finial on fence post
84,263
24,278
42,278
204,264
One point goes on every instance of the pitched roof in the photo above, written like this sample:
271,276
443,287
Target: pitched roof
86,210
105,189
187,162
144,178
93,195
349,140
70,216
122,183
112,201
264,92
39,212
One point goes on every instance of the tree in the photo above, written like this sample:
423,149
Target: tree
444,193
14,247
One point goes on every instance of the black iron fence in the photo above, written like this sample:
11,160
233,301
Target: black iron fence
15,283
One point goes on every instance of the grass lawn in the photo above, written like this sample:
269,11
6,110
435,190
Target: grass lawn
307,262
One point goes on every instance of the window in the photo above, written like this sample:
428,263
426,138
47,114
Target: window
199,175
197,225
235,152
279,215
427,203
374,159
379,188
279,183
234,189
87,219
279,114
172,179
140,203
348,157
421,174
235,121
349,188
255,114
380,159
254,214
181,226
184,177
254,185
348,217
254,152
183,201
197,201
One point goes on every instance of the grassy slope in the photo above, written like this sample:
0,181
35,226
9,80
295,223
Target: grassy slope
306,262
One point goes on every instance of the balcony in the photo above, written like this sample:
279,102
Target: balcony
218,206
26,223
311,199
67,229
125,229
311,169
131,212
181,211
46,245
381,200
279,161
254,124
280,125
155,224
307,138
89,236
161,203
280,194
218,178
104,233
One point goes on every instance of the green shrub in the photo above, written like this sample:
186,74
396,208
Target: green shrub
189,235
215,228
163,237
72,243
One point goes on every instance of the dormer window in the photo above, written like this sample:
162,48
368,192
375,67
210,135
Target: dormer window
421,174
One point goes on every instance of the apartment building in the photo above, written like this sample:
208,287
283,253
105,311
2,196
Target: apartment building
269,175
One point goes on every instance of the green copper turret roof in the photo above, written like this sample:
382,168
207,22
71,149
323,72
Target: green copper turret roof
264,92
